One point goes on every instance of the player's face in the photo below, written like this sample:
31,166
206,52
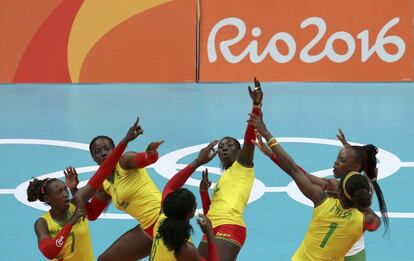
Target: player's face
101,149
344,163
58,195
228,151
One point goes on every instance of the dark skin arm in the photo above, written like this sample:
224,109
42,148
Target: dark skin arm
41,229
329,185
268,152
313,192
205,155
189,253
247,152
71,180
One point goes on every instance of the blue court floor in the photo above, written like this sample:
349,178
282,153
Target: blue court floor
45,128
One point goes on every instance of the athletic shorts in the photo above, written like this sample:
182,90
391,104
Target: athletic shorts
149,231
232,233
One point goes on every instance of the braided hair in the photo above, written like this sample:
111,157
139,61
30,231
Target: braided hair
366,158
37,189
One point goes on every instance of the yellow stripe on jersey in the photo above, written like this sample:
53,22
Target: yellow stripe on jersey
159,251
78,246
230,196
134,192
332,232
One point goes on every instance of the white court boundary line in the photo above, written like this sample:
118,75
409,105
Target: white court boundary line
407,164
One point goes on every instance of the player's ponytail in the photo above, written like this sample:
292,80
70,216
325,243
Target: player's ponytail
175,230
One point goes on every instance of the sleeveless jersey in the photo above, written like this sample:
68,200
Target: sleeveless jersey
230,196
133,192
332,232
78,245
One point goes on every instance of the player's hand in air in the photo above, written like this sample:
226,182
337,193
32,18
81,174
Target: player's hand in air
133,132
256,94
208,153
71,178
205,183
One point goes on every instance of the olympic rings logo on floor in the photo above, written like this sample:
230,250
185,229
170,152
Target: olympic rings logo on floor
167,166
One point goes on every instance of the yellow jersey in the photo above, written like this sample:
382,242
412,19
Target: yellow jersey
133,192
332,232
78,245
159,251
230,196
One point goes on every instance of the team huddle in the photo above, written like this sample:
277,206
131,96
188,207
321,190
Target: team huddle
341,212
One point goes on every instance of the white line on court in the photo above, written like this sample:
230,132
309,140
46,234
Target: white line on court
398,215
407,164
275,189
7,191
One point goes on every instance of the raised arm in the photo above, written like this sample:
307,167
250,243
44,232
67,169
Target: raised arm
105,169
326,184
313,192
205,184
71,179
178,180
133,160
247,152
99,202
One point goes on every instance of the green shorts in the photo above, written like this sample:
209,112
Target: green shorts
357,257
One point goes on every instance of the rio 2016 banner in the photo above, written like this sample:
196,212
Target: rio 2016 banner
296,40
97,41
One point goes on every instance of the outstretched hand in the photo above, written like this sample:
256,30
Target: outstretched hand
71,178
256,94
153,147
208,153
133,132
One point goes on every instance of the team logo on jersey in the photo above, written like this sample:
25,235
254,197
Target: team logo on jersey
59,241
216,189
